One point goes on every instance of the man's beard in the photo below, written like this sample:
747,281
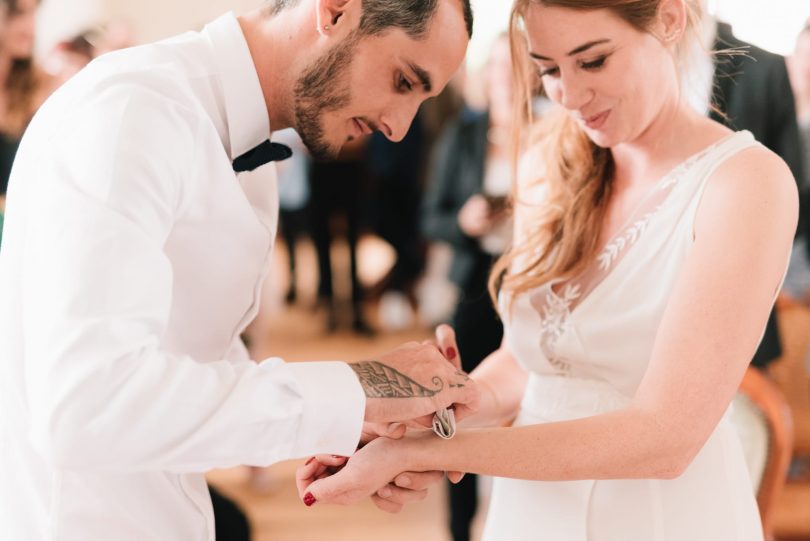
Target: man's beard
319,91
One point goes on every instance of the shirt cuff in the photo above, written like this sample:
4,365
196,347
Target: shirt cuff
334,408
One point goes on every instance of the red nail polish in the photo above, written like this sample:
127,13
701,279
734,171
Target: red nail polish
309,499
308,462
451,353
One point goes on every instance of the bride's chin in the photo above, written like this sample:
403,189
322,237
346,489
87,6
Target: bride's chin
602,140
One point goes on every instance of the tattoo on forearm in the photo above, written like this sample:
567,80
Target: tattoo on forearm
382,381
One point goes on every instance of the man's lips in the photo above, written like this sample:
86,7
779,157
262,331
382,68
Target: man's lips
362,127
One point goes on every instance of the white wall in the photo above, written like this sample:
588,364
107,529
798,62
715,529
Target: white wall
59,19
157,19
771,24
150,19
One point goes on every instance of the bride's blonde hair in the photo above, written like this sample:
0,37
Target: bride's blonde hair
576,174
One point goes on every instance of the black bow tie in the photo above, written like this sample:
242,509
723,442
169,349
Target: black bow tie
262,154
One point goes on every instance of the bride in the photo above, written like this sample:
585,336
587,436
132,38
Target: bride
650,243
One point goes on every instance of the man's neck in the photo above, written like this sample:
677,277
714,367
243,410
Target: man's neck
276,45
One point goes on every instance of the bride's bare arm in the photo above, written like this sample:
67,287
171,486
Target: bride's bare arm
707,336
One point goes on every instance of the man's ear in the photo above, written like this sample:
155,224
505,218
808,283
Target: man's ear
331,13
672,21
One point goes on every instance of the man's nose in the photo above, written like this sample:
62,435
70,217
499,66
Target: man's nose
397,122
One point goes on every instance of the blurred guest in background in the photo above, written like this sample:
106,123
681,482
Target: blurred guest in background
23,86
799,65
69,56
293,198
337,189
797,282
396,171
465,207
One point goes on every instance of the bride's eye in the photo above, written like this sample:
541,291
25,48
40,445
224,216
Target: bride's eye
594,64
552,72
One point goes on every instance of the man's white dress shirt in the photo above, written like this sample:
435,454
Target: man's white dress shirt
132,260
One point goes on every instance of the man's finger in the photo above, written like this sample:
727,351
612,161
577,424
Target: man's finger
401,496
418,480
455,477
426,421
372,431
396,431
386,505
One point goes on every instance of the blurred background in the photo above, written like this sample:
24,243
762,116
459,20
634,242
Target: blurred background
381,245
771,24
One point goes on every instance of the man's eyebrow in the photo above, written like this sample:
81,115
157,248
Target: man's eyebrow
422,75
577,50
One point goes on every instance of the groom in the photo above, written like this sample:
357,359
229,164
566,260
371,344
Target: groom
140,223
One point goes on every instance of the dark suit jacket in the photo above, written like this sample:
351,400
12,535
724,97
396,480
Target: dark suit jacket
457,173
753,90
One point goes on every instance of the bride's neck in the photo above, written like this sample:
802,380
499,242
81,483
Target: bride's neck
666,141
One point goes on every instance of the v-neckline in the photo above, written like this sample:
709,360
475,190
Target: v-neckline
569,294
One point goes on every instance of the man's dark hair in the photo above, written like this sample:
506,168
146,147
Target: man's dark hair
412,16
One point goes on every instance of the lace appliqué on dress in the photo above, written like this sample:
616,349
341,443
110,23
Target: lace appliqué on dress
554,312
554,302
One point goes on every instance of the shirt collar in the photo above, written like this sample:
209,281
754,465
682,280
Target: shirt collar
242,98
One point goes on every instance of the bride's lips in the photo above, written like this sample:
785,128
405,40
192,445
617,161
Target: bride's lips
595,122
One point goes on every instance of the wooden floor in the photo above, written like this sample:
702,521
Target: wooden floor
297,333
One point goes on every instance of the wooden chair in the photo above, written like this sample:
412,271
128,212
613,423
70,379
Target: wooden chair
791,515
762,417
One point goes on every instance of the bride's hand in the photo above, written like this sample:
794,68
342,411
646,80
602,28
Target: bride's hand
373,469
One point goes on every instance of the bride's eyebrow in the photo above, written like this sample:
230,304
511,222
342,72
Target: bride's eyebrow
577,50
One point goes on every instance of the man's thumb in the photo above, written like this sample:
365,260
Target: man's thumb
396,431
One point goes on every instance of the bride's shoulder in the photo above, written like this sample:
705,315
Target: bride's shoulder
753,185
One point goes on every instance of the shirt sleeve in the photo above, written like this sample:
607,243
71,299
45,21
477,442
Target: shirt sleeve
102,391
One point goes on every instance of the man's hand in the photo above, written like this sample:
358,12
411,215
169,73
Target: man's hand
411,383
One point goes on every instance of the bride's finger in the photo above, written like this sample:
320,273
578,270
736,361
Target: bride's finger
315,468
331,460
306,474
446,340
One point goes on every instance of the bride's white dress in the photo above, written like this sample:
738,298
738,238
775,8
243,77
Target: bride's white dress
586,345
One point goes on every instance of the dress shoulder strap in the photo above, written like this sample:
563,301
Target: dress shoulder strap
717,156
